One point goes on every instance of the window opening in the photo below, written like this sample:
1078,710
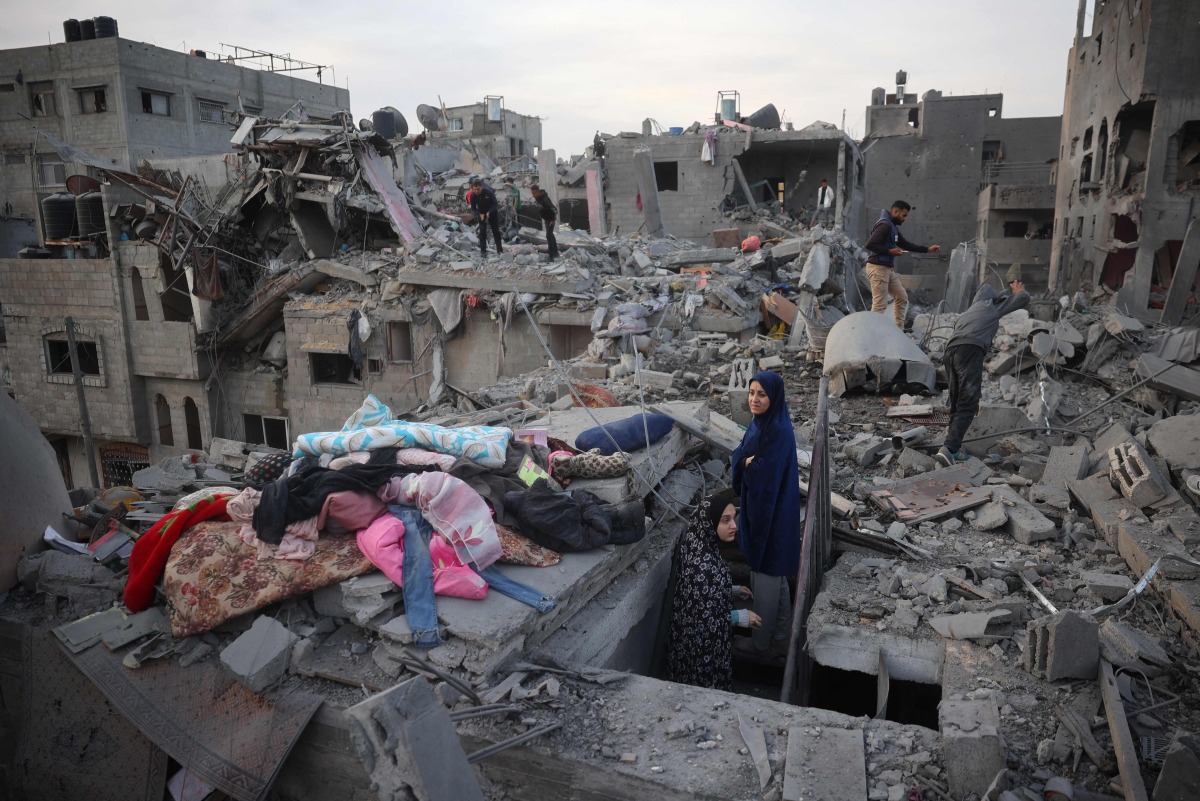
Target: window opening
399,340
162,411
58,357
156,103
191,421
212,112
269,431
331,368
41,99
92,100
666,176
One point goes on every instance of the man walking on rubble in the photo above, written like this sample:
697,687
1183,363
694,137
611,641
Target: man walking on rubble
549,216
824,204
965,352
483,202
884,244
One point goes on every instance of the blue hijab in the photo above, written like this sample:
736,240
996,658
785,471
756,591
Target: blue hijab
769,528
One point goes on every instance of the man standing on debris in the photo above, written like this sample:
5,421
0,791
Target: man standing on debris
965,352
885,243
483,201
824,203
549,217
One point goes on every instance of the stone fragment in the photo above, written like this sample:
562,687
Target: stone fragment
1026,524
1066,463
259,657
992,515
1122,644
1179,779
971,744
1108,587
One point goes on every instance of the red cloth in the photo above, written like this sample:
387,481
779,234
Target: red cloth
150,552
751,244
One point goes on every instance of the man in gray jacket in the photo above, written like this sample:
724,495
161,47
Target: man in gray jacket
964,357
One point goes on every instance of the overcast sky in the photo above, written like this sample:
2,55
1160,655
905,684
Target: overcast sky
583,67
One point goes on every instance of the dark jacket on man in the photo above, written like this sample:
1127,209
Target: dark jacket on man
885,236
979,323
545,207
483,200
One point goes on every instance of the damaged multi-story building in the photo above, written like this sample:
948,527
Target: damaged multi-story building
127,102
1129,157
971,174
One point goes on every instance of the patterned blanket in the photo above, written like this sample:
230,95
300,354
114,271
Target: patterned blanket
372,427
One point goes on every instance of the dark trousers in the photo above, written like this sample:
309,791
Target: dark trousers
550,240
483,229
964,367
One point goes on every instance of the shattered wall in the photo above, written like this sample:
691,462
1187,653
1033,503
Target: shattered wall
1126,182
937,165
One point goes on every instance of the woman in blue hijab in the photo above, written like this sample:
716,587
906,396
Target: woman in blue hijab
766,477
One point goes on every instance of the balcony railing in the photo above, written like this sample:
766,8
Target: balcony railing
1018,173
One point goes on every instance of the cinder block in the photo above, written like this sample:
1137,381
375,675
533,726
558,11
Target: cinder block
1136,475
1067,463
653,379
971,744
260,656
1072,646
726,238
589,371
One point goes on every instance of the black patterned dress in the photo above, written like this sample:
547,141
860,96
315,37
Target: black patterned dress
699,645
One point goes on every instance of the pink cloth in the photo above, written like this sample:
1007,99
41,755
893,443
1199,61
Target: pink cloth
347,512
298,541
383,543
456,511
442,461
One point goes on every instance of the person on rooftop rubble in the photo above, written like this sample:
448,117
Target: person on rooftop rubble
483,202
702,608
965,352
884,244
549,216
767,478
824,205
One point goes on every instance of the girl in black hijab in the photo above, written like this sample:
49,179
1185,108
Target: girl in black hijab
702,613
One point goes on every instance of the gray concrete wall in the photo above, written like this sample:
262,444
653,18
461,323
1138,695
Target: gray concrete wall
1150,56
937,166
37,295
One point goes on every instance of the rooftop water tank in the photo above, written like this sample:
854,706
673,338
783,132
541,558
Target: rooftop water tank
87,29
89,210
401,123
106,28
71,30
384,123
766,117
58,216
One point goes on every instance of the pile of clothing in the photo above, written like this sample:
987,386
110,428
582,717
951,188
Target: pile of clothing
435,509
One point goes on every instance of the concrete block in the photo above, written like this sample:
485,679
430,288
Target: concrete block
1177,439
588,371
1106,440
653,379
1067,463
1025,523
1108,587
228,454
726,238
913,462
406,739
367,586
329,602
397,630
1179,779
62,572
770,363
971,744
1136,475
1052,500
825,763
1122,644
992,515
260,656
1063,646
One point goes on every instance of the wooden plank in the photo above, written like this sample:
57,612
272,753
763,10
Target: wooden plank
1083,732
1118,726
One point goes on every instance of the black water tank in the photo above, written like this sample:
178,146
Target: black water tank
401,123
58,216
89,210
766,117
384,123
87,29
71,31
33,253
106,28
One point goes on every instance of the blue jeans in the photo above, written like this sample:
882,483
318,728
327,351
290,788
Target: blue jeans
514,589
420,607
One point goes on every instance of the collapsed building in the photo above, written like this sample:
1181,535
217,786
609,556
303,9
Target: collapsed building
1022,625
1127,180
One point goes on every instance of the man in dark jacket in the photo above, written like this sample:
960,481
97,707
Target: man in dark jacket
884,244
965,352
549,216
483,201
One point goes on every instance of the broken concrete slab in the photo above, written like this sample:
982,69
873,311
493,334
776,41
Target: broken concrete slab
260,656
1106,440
1026,524
1123,645
825,763
992,420
967,625
1108,587
59,573
865,345
1067,463
1179,779
408,744
1177,439
971,744
992,515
